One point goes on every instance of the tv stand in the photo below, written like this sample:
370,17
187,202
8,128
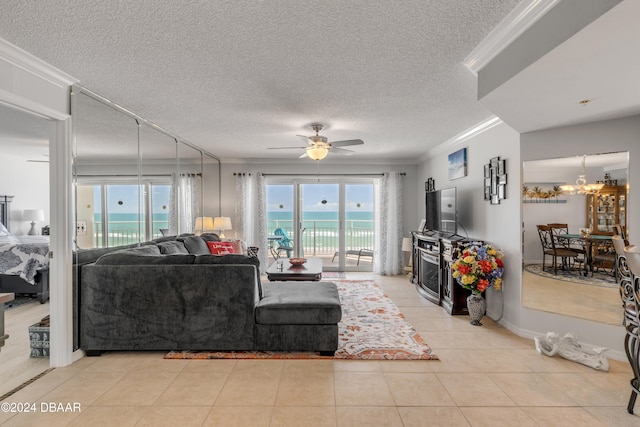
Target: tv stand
433,254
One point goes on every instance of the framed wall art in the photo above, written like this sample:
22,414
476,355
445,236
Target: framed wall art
430,185
495,180
458,164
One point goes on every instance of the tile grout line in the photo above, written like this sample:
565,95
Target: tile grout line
23,385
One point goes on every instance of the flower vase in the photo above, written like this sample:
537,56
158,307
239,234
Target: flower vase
476,306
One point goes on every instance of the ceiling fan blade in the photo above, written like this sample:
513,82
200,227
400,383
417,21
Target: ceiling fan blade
303,155
306,138
346,142
285,148
341,151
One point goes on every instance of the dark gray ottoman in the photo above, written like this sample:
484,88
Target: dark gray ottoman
298,316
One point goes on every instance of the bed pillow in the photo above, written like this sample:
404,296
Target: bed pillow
220,248
3,231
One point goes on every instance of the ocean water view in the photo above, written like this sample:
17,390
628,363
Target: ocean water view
320,234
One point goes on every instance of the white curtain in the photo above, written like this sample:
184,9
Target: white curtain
388,255
186,202
261,218
251,213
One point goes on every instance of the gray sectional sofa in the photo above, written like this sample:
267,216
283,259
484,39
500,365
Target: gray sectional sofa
172,294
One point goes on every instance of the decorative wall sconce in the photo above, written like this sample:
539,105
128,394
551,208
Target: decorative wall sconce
495,181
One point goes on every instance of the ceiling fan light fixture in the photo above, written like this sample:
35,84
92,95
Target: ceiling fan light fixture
317,153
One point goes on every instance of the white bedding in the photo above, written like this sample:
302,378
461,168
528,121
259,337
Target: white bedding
23,256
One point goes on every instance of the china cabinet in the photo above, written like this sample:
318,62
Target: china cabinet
606,209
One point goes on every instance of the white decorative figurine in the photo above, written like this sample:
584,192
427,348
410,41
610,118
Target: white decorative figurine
568,347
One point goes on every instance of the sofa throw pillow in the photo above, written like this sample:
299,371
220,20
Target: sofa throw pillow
171,248
210,237
194,244
220,248
124,258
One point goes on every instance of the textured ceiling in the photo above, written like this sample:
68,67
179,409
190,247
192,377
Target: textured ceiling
236,77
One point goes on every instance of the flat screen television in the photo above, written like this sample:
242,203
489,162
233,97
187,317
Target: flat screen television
441,211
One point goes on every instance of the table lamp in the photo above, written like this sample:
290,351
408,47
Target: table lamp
33,215
222,223
203,223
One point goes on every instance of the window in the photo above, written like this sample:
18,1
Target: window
121,212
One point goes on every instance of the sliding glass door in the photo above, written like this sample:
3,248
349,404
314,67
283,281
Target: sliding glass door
330,219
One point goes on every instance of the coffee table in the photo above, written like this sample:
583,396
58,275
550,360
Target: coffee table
309,271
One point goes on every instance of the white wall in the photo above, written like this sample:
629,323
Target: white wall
29,183
495,224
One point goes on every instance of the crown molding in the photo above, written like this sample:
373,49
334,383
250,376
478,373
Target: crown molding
30,63
465,135
526,13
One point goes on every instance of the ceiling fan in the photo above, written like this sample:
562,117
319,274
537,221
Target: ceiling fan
318,146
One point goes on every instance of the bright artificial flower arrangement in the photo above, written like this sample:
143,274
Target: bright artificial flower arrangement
479,267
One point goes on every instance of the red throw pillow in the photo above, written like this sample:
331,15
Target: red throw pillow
220,248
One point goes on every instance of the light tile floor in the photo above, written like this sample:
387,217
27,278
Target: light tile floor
486,376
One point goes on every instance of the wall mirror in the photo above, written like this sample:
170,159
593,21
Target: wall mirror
574,290
134,182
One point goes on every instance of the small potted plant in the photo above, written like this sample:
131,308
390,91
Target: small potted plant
478,267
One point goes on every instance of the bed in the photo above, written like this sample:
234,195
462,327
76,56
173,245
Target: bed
24,260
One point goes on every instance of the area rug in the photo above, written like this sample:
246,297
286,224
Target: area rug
372,328
334,275
600,278
19,301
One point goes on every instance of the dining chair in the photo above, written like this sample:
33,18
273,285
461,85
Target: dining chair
621,231
604,256
631,296
549,247
621,268
562,228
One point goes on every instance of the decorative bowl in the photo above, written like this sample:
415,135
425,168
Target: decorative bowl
297,261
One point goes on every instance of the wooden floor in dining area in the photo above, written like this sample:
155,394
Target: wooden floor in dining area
16,365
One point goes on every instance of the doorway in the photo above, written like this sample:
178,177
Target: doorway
331,219
24,144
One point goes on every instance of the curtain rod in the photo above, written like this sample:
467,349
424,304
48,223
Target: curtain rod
155,175
328,174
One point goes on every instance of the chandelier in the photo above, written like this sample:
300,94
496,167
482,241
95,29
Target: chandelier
581,186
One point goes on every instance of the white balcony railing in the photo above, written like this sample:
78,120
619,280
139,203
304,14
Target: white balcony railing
318,237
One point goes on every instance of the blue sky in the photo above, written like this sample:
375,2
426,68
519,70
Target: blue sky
128,195
359,197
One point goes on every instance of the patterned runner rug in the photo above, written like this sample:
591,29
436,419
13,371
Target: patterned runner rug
599,278
372,328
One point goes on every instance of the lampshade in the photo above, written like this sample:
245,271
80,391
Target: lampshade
406,244
222,223
33,215
204,223
317,153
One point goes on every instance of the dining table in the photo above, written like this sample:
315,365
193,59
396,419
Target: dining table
588,242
